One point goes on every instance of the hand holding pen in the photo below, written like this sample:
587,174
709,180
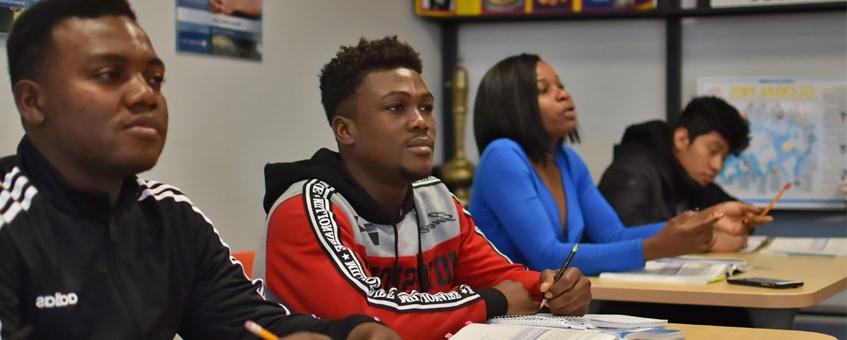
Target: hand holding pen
566,291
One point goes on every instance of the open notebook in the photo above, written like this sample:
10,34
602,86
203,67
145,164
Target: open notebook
589,321
683,269
482,331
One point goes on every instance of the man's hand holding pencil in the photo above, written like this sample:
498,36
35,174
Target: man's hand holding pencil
739,218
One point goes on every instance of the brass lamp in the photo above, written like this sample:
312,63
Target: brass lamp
458,172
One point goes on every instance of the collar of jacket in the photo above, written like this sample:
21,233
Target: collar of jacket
326,166
68,199
656,137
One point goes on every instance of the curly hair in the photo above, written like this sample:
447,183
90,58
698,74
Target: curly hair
31,38
706,114
342,75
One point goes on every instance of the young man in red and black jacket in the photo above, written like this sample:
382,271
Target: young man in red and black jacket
87,249
366,230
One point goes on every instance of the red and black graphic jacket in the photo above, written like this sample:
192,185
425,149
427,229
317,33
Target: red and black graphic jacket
330,250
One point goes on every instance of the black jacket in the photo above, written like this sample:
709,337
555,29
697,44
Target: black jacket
152,265
646,184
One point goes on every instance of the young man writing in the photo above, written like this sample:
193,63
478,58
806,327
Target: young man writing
367,231
87,249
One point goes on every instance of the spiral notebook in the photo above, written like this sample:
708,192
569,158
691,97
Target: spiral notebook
614,321
477,331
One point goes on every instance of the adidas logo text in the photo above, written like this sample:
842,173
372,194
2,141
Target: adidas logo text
57,300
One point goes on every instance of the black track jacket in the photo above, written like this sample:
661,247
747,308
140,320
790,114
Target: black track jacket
152,265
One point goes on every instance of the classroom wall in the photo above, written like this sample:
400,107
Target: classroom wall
229,117
615,68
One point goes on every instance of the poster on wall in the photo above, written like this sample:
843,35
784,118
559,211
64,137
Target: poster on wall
228,28
9,11
742,3
798,130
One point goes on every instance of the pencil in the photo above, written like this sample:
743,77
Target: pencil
562,270
776,198
259,331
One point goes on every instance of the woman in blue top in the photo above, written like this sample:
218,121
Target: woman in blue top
534,198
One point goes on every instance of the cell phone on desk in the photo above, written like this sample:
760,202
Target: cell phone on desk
764,282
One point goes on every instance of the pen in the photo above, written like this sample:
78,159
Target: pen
262,333
776,198
561,270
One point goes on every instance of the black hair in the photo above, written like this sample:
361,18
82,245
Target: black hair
703,115
31,38
342,75
506,106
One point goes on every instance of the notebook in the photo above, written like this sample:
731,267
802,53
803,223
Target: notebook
477,331
589,321
686,269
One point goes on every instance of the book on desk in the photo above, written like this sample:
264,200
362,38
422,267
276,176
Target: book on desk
682,269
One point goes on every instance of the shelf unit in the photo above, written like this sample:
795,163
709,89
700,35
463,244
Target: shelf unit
666,10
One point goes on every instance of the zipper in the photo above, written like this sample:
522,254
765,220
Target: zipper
116,278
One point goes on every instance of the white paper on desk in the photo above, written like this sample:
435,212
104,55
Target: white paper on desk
678,271
826,246
732,265
754,242
477,331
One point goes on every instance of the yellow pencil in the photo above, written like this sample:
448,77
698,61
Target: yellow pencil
776,198
259,331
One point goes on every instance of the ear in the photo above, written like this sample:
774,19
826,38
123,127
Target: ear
29,98
344,130
680,138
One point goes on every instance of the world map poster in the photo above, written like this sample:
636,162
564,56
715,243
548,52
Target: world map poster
798,130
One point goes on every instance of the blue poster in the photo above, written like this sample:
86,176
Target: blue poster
229,28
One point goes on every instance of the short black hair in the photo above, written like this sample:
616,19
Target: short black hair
342,75
705,114
31,37
506,106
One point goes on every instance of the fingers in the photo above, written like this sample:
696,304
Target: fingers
702,230
727,242
750,209
573,302
567,282
682,217
547,277
755,219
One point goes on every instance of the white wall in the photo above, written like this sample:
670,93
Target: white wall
229,117
615,68
812,44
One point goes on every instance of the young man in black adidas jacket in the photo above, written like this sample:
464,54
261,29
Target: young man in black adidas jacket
87,249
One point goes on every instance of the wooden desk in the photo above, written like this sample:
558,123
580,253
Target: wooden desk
771,308
701,332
